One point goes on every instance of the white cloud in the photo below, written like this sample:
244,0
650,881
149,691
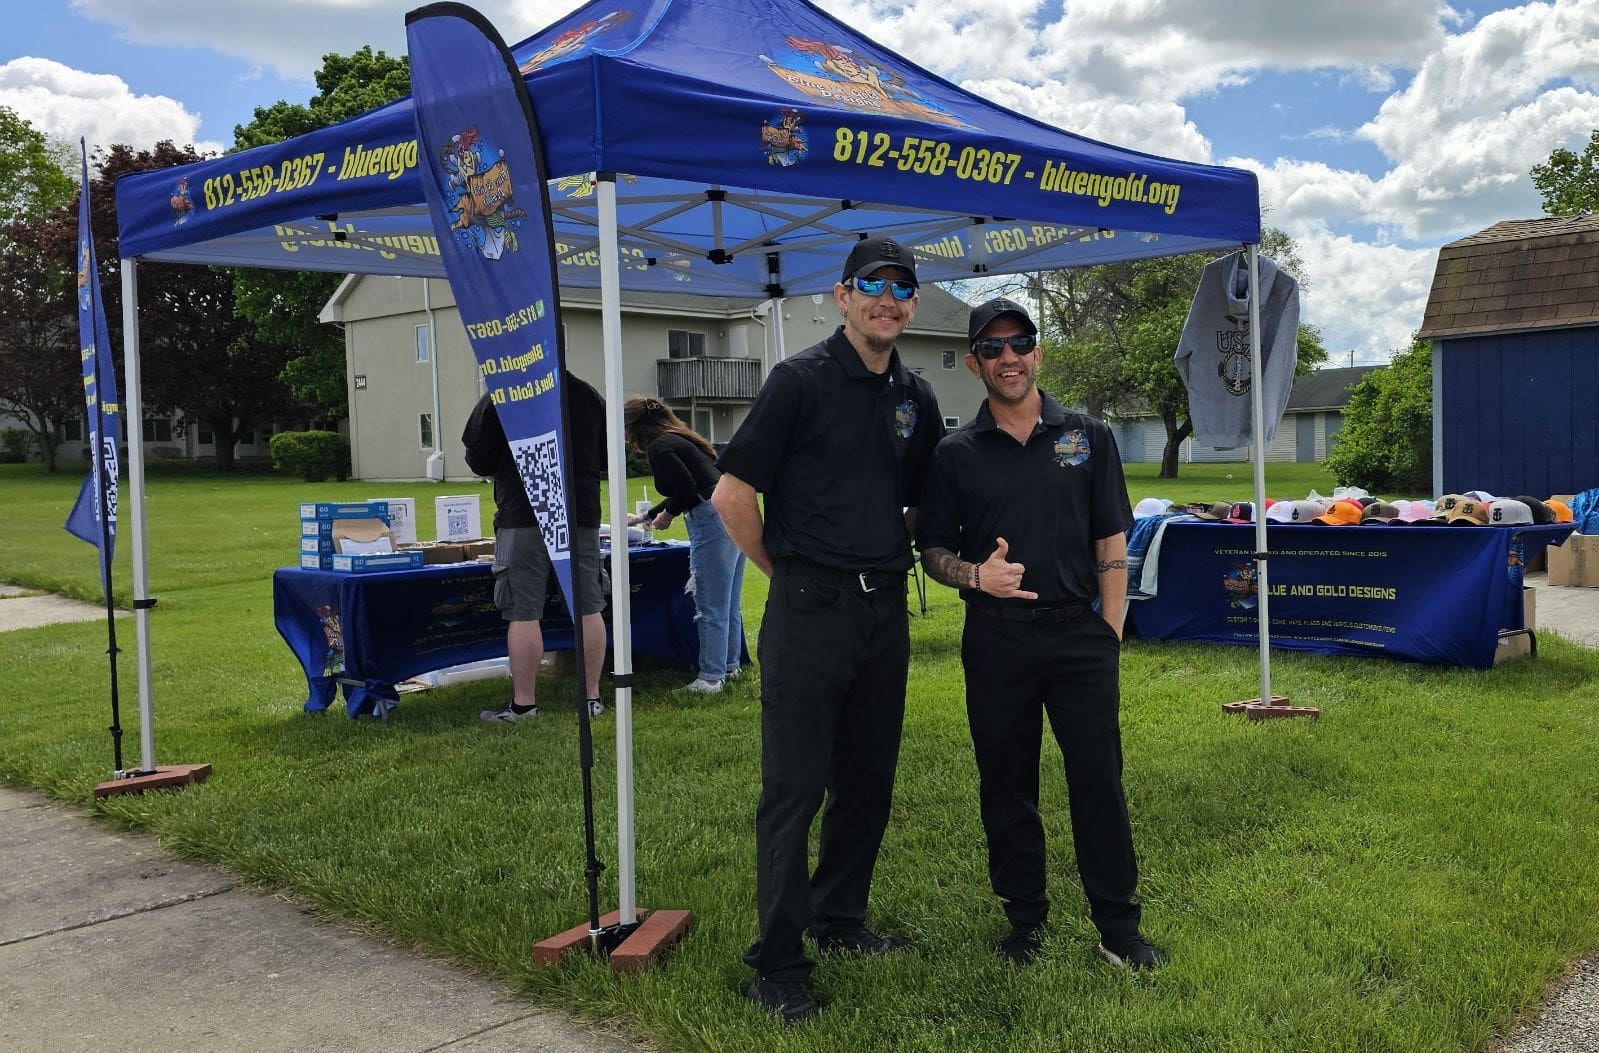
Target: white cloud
1366,298
67,103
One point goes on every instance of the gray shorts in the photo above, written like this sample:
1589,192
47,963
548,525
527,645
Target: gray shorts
522,572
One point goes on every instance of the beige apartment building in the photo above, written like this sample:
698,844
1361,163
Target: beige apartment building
412,378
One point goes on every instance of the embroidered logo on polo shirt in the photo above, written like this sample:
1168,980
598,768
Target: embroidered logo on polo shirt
905,418
1072,448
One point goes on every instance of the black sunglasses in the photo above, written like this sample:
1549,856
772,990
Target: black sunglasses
993,347
902,290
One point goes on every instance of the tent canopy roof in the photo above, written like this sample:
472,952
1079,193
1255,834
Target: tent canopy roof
758,138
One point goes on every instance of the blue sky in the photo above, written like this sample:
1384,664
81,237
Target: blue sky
1380,129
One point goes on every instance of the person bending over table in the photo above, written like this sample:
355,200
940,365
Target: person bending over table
1025,511
684,464
521,560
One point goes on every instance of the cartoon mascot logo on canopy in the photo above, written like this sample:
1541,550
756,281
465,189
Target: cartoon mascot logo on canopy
478,193
839,77
572,42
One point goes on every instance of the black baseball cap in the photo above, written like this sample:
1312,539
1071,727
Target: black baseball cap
1542,514
998,307
872,254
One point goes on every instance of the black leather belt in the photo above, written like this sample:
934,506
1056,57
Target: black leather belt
1048,615
854,580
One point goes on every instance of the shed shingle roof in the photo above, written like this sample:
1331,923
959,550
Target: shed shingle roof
1516,276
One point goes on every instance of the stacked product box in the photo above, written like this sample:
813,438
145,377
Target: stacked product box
317,544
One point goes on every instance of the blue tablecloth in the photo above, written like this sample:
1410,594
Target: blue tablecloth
1433,594
367,632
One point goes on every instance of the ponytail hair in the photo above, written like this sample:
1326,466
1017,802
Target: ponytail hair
645,419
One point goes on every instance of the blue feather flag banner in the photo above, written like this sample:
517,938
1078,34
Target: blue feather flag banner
94,514
483,172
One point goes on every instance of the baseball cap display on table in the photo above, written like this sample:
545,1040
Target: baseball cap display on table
1509,511
1445,504
1414,511
1341,513
1212,511
1151,506
1463,513
1295,511
1382,513
1561,510
1542,514
1241,512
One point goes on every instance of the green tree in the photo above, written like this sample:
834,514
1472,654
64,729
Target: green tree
1110,333
41,379
284,305
1386,442
34,178
1569,182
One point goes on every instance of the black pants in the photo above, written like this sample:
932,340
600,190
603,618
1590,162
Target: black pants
833,664
1016,672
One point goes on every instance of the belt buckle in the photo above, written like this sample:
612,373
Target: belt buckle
865,587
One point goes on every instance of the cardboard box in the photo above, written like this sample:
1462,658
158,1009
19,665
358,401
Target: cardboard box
479,549
1576,562
406,560
316,561
432,554
315,510
1529,607
402,517
457,518
1513,645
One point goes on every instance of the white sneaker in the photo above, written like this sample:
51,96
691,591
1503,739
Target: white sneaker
506,715
734,674
701,686
596,707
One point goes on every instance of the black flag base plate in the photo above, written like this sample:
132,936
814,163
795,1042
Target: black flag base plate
631,948
176,775
1276,709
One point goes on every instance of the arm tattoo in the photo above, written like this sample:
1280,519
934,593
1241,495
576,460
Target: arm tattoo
1110,564
949,569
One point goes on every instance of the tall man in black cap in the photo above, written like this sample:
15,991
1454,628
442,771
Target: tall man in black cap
1025,512
838,440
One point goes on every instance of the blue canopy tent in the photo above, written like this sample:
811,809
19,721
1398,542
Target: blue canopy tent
720,147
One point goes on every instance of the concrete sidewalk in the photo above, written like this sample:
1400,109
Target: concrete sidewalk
108,943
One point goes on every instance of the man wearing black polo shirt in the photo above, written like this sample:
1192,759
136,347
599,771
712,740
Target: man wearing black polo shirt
838,440
1025,512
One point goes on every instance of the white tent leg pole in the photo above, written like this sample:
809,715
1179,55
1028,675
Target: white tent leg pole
777,325
621,613
1257,415
133,512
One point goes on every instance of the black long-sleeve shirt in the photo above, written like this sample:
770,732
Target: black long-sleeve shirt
684,476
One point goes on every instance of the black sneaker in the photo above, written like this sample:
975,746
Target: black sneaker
1132,952
861,941
789,999
1022,945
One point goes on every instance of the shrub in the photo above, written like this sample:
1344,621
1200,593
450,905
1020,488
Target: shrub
1385,444
15,445
312,455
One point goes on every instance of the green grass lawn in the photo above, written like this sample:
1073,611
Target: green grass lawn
1408,873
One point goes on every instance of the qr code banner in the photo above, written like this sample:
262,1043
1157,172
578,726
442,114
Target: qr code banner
538,462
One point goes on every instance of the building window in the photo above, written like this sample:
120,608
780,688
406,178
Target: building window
202,434
425,430
247,438
680,343
949,360
951,423
702,423
421,344
72,430
157,430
